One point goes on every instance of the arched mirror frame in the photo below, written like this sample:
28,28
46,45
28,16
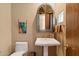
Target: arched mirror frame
45,9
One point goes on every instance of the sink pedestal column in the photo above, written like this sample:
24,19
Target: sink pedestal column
45,51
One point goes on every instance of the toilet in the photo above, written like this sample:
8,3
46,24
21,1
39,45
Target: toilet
20,49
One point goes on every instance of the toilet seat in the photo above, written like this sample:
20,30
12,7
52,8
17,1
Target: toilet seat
19,53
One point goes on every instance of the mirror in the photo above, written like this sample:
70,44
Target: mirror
45,19
60,17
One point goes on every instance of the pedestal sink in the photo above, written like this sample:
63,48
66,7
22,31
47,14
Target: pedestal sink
45,42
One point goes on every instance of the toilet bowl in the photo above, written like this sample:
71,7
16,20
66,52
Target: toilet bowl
20,49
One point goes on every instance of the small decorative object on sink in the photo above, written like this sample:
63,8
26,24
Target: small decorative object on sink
45,42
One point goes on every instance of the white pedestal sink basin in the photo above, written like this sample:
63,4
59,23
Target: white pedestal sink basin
45,42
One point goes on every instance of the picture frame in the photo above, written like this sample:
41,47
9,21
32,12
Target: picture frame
22,26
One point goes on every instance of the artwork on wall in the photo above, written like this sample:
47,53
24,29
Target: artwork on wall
22,26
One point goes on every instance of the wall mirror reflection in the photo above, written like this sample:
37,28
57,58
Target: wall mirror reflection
45,19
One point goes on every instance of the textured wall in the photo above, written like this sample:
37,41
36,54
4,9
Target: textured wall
61,36
5,29
29,11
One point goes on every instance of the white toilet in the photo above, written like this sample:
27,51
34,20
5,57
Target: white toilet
20,49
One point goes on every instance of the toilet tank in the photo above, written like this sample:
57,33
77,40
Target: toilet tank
21,46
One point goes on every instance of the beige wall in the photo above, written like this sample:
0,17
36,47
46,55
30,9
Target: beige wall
9,15
61,36
5,29
29,11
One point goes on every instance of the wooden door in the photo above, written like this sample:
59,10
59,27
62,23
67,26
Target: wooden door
72,29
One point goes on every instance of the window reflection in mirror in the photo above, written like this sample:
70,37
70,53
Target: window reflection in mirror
42,21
